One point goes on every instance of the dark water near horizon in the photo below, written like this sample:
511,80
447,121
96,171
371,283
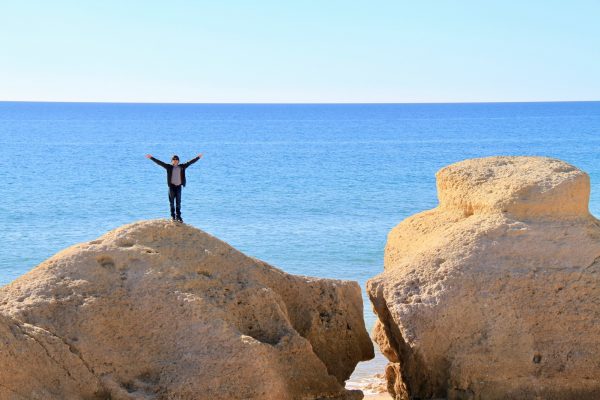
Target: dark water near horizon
312,189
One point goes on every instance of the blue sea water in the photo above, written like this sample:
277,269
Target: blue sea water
312,189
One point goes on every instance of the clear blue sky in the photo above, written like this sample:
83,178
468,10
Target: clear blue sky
299,51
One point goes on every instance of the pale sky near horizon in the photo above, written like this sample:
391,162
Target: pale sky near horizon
304,51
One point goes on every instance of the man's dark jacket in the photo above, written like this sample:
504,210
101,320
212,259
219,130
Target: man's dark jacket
169,169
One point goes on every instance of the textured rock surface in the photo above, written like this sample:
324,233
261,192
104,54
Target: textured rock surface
495,293
158,310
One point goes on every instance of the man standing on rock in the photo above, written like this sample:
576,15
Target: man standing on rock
175,180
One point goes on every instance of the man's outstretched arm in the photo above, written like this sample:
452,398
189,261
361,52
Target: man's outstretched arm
193,160
156,160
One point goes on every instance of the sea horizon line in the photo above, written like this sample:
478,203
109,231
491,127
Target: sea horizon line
297,103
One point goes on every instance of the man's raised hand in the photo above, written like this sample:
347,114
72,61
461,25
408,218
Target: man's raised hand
199,155
148,155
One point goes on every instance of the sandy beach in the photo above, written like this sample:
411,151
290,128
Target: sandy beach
380,396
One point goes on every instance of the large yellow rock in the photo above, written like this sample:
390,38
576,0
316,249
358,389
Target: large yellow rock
494,294
159,310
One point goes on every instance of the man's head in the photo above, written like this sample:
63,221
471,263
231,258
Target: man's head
175,160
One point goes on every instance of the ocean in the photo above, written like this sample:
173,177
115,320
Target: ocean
310,188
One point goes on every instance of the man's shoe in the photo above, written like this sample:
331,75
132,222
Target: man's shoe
173,219
179,219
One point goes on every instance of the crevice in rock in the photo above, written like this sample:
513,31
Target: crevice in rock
71,349
596,260
77,353
24,332
412,378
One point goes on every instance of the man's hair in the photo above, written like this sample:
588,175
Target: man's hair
175,157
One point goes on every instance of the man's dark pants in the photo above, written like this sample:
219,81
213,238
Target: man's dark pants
175,197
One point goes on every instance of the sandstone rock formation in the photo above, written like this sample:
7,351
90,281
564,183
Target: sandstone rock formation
495,293
159,310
